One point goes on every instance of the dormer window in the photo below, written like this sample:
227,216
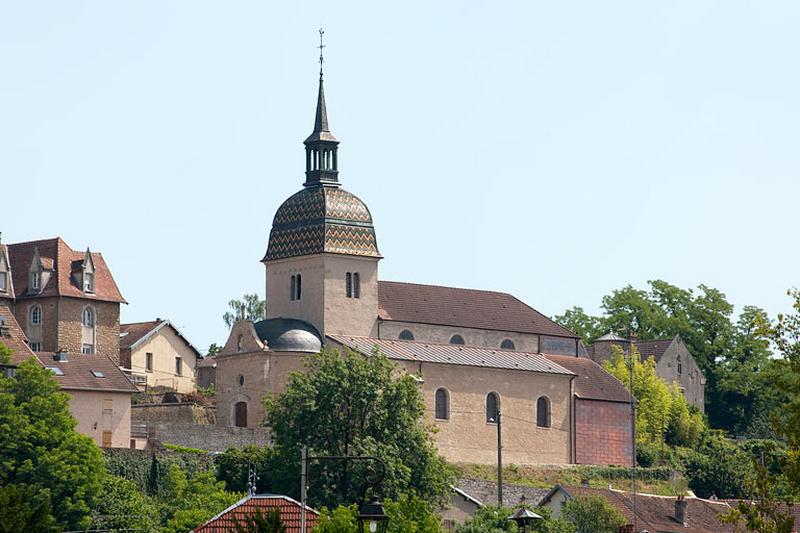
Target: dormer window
88,282
3,281
36,280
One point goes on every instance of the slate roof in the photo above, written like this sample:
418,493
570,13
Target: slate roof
468,308
134,333
592,382
656,513
453,354
12,336
78,373
57,256
289,509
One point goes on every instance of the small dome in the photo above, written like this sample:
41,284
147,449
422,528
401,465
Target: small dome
322,220
289,335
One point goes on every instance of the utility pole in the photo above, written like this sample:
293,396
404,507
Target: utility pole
303,487
632,337
499,461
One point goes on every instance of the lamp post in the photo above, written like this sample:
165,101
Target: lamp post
525,519
496,419
372,518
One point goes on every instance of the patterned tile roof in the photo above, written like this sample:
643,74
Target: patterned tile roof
469,308
592,383
289,509
453,354
59,258
319,220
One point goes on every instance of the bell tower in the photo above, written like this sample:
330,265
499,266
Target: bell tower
322,257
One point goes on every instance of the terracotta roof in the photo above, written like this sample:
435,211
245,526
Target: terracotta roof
452,354
657,513
289,509
58,256
208,360
88,372
592,383
9,293
654,349
468,308
12,336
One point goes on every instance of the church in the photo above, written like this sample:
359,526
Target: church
474,353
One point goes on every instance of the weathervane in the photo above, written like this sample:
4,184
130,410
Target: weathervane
252,480
321,46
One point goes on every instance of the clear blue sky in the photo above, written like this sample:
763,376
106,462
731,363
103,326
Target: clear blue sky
554,150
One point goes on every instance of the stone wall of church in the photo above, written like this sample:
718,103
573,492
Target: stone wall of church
523,342
310,307
350,316
247,377
602,432
690,378
467,437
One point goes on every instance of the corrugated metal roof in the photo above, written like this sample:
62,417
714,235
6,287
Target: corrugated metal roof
453,354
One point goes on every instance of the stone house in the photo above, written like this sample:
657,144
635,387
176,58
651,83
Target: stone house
289,509
100,392
474,353
674,362
158,354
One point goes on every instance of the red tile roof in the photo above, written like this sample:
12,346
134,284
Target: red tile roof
468,308
82,372
58,256
12,336
592,382
289,509
657,513
9,293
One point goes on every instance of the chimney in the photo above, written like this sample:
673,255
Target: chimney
680,511
60,355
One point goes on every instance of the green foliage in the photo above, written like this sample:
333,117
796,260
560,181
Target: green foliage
343,519
147,471
213,349
260,523
184,449
490,519
26,508
41,452
663,415
123,508
347,404
250,307
718,467
411,514
208,392
592,514
5,354
188,502
578,321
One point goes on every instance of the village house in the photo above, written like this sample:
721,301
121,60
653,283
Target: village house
479,356
158,355
674,362
69,305
288,508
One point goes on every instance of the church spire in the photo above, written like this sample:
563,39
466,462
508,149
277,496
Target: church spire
322,163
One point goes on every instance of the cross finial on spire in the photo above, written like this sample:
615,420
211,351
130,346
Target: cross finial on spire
321,46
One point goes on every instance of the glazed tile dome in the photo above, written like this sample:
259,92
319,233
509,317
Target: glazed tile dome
320,220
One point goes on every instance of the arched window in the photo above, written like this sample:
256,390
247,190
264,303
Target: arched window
543,412
348,282
680,366
88,317
240,414
492,407
406,335
507,344
456,339
356,285
442,408
36,315
292,287
239,341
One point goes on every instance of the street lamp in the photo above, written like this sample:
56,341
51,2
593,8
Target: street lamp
373,518
525,519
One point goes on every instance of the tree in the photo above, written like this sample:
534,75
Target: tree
123,508
214,348
409,514
347,404
592,514
762,512
260,523
490,519
578,321
25,508
40,451
343,519
250,307
188,502
718,468
5,354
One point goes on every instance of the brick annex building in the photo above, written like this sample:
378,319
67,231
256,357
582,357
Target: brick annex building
475,353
